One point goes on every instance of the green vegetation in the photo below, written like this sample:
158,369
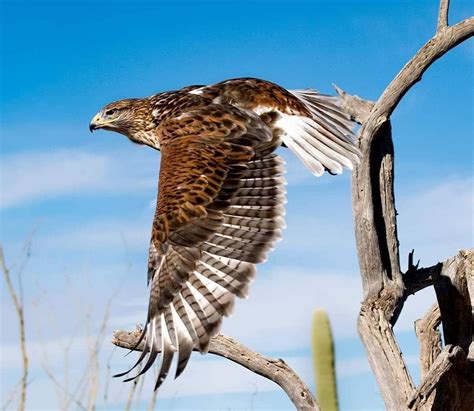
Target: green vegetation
323,361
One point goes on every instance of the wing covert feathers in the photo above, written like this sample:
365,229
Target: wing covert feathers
207,255
312,125
204,154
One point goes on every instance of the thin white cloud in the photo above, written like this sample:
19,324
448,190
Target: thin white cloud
277,315
30,176
101,235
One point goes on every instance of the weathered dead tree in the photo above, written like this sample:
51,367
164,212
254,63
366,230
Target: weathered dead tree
447,373
448,377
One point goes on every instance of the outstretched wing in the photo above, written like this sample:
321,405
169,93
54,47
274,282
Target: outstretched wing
312,125
220,209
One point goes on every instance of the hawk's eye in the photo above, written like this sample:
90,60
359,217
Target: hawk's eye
111,111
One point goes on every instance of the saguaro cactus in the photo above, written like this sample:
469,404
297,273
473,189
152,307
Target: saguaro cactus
323,361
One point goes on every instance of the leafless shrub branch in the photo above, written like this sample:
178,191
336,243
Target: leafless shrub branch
18,304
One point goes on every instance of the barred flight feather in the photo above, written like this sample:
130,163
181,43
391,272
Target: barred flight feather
211,275
324,141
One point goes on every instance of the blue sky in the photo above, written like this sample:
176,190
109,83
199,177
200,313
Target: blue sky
90,197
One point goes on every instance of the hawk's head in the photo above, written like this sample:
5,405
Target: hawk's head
130,117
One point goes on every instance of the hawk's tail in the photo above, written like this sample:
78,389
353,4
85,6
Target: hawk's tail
324,141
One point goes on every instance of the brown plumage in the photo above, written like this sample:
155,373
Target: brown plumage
221,195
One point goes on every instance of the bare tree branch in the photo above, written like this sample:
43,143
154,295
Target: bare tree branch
375,215
451,360
11,396
94,367
412,72
358,108
133,388
275,370
374,210
107,378
429,337
21,318
452,292
384,356
63,391
372,180
417,279
442,15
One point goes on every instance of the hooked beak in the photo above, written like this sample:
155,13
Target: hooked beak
95,123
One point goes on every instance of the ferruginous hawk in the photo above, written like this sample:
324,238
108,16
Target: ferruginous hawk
221,195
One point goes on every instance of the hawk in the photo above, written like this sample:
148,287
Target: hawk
221,195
